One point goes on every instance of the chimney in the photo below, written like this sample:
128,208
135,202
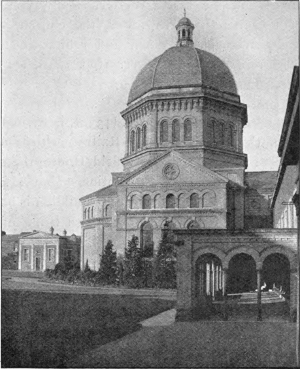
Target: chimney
51,230
64,232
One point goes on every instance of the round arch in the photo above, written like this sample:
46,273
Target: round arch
292,257
190,220
210,250
171,221
146,220
243,250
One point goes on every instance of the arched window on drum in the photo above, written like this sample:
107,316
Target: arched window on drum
132,142
187,130
146,202
138,138
231,136
164,131
147,239
194,200
175,131
144,135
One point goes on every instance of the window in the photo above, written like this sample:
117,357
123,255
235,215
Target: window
193,225
164,131
181,203
146,202
147,239
208,200
88,213
134,202
175,131
138,138
222,133
108,210
194,200
188,130
84,214
51,255
157,202
92,212
230,135
170,201
132,141
26,254
183,33
213,131
144,135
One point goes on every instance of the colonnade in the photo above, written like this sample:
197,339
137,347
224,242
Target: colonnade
213,282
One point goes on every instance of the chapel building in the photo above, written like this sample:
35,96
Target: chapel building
184,165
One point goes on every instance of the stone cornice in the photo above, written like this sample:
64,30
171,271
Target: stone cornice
96,220
173,212
182,148
163,103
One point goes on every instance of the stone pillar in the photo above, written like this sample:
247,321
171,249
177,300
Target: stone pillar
259,311
32,258
225,307
213,274
208,290
184,280
45,257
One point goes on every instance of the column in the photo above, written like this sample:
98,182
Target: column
45,257
207,278
213,279
259,315
20,256
32,265
217,278
225,309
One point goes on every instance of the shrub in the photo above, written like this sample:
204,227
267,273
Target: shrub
133,266
165,270
108,265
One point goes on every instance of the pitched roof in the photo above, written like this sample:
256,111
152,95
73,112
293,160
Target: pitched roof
263,182
105,191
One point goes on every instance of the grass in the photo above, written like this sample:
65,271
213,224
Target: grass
42,329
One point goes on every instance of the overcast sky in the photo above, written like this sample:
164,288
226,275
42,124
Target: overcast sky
67,70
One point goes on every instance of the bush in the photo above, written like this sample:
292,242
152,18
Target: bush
10,261
165,270
133,265
108,266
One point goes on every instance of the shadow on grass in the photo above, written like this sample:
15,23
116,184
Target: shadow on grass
48,329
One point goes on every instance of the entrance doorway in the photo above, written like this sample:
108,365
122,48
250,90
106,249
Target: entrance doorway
276,274
38,264
241,274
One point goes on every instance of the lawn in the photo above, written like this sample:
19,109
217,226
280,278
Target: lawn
47,329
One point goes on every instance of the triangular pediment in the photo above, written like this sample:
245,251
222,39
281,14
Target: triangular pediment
174,168
40,234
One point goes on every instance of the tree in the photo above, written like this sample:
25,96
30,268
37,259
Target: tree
133,274
108,265
165,269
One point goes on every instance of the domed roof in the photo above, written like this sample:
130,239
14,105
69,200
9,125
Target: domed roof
185,22
183,67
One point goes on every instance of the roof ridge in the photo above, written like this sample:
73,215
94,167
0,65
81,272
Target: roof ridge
158,59
197,56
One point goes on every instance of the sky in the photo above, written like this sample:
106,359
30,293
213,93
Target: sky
67,68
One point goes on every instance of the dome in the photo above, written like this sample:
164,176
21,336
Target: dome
183,67
185,22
